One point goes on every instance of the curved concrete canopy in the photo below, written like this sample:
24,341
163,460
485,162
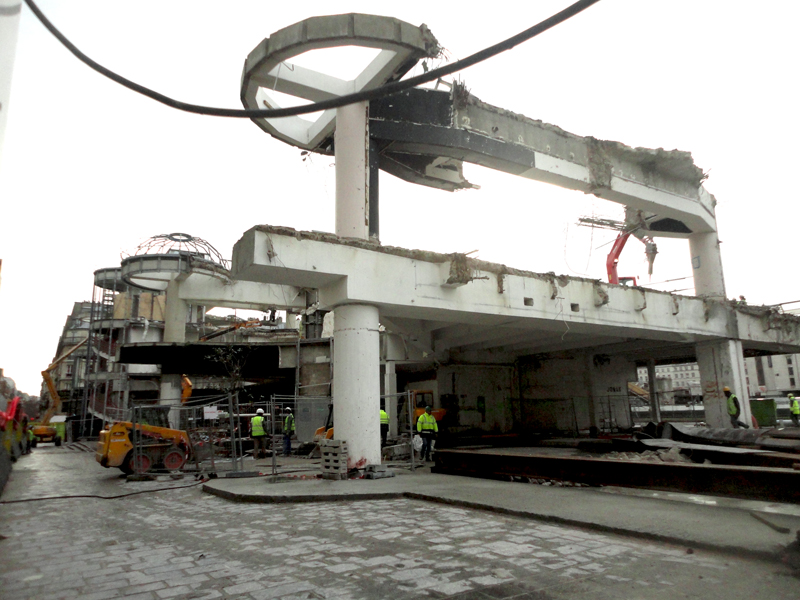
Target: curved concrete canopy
267,68
153,272
110,279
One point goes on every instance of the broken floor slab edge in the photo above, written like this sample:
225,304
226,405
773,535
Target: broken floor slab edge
588,525
677,160
431,256
500,269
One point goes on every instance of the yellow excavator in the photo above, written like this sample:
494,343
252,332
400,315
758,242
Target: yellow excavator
43,431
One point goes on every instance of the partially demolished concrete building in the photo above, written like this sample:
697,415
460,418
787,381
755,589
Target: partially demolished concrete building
526,336
498,347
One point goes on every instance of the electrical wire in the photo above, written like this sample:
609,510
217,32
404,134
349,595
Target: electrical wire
364,95
180,487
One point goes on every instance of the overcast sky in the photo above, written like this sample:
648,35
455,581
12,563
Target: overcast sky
91,169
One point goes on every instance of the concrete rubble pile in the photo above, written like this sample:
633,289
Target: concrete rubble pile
667,455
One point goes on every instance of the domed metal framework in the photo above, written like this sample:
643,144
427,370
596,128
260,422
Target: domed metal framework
161,258
179,243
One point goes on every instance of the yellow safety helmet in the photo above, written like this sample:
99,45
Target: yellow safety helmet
726,389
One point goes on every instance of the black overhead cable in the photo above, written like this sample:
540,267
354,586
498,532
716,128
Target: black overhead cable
373,94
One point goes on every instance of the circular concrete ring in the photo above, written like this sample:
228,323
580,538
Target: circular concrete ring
266,67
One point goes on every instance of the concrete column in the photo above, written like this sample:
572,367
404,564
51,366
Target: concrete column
175,313
588,384
722,364
170,395
351,141
390,388
655,408
356,368
709,281
356,383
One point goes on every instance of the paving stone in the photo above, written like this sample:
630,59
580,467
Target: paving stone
171,592
149,546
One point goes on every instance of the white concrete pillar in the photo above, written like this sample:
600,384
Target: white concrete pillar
170,395
356,367
175,313
351,142
390,389
356,383
709,281
722,364
9,26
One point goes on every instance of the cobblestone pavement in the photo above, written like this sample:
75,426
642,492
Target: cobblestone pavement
182,543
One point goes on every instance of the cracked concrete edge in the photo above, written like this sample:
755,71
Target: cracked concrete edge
597,527
298,499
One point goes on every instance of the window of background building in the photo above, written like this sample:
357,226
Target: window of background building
791,382
769,361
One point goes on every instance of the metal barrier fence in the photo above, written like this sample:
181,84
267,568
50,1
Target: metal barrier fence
207,436
309,412
404,411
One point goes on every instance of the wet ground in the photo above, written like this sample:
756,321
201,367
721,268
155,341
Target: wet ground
183,543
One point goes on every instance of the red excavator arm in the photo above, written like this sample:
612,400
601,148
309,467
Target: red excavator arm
613,257
219,332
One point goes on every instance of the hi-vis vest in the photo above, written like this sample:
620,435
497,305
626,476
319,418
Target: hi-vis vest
794,404
427,423
384,418
731,405
257,426
288,424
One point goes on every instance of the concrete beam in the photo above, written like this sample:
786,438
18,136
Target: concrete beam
409,284
210,292
428,125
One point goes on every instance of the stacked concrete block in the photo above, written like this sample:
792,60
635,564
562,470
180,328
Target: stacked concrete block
334,459
396,452
378,472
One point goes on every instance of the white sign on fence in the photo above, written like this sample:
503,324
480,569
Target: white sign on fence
210,412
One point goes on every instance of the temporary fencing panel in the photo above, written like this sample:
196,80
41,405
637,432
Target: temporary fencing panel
214,430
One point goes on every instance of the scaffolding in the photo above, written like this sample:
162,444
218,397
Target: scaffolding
107,385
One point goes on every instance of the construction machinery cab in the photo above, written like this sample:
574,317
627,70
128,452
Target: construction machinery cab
156,416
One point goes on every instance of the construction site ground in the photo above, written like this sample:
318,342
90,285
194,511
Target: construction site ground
409,536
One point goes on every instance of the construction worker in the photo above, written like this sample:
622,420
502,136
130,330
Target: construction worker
288,431
258,434
794,407
27,436
384,427
734,410
427,429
